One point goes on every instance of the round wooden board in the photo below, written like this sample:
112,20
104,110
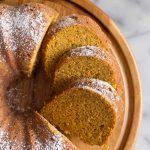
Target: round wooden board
125,133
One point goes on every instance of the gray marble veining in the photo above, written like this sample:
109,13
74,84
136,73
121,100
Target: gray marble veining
133,19
122,12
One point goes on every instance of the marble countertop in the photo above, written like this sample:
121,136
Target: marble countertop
133,19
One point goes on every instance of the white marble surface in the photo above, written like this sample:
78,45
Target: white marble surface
133,19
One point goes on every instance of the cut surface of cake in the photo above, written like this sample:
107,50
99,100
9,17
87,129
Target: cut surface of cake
71,32
87,109
86,62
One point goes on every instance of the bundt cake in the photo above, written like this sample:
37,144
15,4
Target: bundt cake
22,29
86,62
71,32
87,109
77,56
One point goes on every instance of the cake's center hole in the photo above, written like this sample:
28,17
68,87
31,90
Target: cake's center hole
19,94
25,94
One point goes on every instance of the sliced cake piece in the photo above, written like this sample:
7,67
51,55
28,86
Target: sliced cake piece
87,62
22,31
88,109
68,33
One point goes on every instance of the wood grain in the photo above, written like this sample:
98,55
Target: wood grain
126,131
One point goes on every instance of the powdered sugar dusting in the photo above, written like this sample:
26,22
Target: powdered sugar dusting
21,27
52,143
87,51
5,143
64,22
2,58
21,30
98,86
91,51
14,95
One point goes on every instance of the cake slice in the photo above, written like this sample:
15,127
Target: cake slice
88,109
71,32
22,31
87,62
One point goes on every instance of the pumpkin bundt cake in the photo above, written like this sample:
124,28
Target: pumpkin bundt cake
87,62
22,29
87,109
77,56
71,32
